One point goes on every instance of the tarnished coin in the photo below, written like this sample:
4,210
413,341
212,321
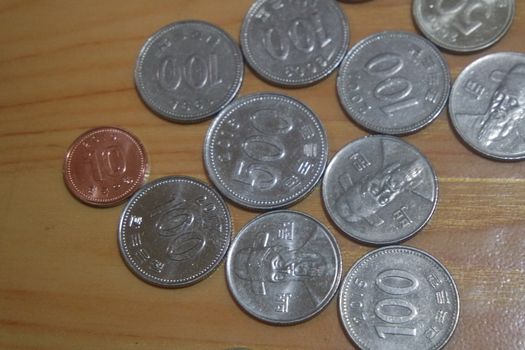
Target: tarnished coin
104,166
393,83
487,105
265,151
380,190
399,298
174,232
284,267
188,71
294,43
463,25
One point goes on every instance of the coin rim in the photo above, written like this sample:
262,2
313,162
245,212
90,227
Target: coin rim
329,211
333,290
460,49
104,202
196,277
452,114
361,120
343,314
150,101
224,188
284,82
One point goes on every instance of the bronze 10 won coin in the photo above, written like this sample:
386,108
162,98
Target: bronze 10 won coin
104,166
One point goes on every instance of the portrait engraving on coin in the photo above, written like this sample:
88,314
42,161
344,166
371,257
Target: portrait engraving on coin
488,105
282,256
379,190
174,232
283,267
265,151
188,71
399,298
464,25
294,43
362,200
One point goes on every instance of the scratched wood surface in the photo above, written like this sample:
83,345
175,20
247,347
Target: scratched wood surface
67,66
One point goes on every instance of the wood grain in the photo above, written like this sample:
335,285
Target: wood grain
67,66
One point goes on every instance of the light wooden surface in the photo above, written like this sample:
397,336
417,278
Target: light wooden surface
67,66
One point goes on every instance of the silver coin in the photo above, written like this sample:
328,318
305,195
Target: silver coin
487,105
284,267
265,151
380,190
393,83
294,43
463,25
188,71
174,232
399,298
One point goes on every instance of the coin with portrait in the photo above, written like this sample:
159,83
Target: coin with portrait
487,105
380,190
284,267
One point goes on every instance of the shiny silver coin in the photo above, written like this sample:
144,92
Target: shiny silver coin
265,151
174,232
399,298
463,25
393,83
284,267
188,71
487,105
380,190
294,43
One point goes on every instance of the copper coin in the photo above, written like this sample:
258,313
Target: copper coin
104,166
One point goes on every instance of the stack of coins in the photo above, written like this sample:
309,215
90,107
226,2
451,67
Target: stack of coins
267,151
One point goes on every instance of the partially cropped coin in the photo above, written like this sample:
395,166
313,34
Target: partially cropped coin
294,43
487,105
265,151
399,298
464,25
174,232
188,71
380,190
284,267
104,166
393,83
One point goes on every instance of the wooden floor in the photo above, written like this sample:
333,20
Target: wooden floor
67,66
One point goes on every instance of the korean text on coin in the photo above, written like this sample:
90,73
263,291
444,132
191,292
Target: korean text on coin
284,267
174,232
393,83
104,166
487,105
188,71
294,43
399,298
265,151
380,190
